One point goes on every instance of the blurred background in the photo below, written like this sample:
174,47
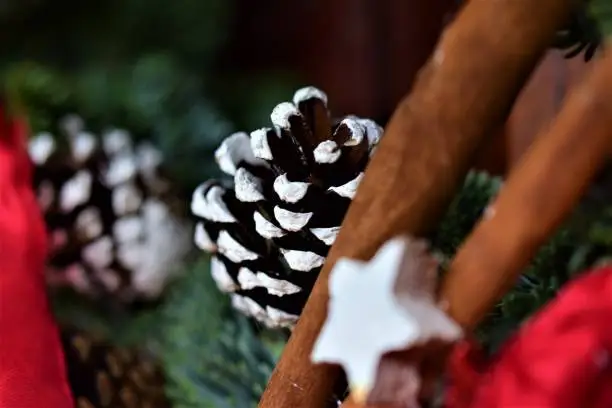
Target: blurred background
184,75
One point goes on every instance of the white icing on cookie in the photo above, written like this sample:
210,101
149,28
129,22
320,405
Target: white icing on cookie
290,191
281,114
222,278
126,199
259,144
211,205
83,145
303,261
265,228
327,152
235,149
99,254
349,189
307,93
203,240
41,147
357,132
327,235
291,221
76,191
233,250
247,187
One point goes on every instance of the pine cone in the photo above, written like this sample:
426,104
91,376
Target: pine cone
102,375
107,207
271,231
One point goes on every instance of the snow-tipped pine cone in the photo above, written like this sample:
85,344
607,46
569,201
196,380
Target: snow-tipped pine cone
271,229
114,233
103,375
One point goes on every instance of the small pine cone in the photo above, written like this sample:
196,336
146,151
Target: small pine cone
271,231
113,232
102,375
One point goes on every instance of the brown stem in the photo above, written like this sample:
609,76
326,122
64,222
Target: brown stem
461,97
539,194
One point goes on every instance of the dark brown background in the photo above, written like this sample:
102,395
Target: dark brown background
365,55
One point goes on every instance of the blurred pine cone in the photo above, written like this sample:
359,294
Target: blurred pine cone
272,229
103,375
108,208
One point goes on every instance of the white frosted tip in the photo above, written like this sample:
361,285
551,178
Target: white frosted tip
247,187
327,235
76,191
203,240
357,132
233,250
327,152
235,149
41,147
309,92
291,221
349,189
290,191
222,278
210,205
259,144
265,228
83,146
302,261
115,141
281,114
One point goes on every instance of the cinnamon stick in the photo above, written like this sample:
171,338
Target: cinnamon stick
539,194
460,98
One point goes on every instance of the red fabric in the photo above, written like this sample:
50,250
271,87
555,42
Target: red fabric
32,372
561,358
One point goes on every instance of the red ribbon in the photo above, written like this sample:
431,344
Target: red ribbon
32,368
561,358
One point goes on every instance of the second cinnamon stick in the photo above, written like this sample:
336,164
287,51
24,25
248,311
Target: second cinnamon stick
539,194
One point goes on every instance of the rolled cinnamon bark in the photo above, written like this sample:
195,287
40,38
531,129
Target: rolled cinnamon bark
460,98
541,191
539,194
